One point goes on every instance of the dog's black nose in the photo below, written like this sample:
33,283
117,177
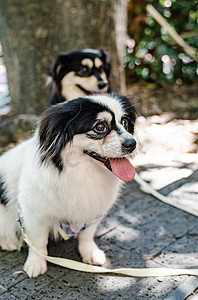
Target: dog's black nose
102,85
129,145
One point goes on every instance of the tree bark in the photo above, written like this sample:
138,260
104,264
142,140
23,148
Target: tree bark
34,32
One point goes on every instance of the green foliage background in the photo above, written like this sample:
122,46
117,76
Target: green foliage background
151,53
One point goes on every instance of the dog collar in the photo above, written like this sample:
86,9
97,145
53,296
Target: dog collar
68,230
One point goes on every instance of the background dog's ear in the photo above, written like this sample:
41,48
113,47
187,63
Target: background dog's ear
54,70
106,60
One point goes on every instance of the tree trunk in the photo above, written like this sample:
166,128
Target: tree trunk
34,32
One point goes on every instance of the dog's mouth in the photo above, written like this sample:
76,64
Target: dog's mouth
92,92
121,167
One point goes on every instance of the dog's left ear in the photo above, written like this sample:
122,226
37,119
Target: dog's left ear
106,60
54,70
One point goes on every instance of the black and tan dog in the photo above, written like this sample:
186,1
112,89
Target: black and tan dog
79,73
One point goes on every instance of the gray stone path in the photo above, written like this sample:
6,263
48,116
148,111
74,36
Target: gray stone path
146,233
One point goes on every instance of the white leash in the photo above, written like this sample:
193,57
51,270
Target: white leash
162,198
79,266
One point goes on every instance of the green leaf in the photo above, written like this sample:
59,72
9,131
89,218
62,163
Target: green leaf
161,2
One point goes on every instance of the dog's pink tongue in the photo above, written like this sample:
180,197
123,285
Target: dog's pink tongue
122,168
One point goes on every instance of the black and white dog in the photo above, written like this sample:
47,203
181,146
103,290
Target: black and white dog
67,176
79,73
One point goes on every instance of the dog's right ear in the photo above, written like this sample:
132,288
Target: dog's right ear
54,134
56,128
54,70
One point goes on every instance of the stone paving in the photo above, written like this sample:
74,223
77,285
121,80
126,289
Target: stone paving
138,232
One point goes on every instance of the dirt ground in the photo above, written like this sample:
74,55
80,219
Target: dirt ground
163,138
181,101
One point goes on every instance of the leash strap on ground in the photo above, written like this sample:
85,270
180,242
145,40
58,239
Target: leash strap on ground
162,198
78,266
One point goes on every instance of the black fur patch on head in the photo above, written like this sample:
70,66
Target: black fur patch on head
59,124
3,198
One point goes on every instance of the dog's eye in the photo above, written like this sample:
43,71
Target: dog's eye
84,71
100,127
125,123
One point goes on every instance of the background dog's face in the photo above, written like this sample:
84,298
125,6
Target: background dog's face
81,73
100,127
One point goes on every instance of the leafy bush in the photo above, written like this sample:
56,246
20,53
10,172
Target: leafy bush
151,53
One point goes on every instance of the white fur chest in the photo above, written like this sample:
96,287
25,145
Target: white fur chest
85,192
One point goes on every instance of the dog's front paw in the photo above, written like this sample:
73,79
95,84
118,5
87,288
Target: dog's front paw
91,254
35,266
96,257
